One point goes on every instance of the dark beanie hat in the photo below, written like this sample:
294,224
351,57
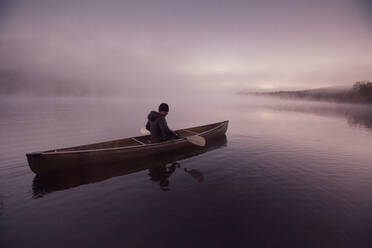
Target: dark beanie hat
163,107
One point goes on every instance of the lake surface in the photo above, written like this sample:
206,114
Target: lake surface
287,174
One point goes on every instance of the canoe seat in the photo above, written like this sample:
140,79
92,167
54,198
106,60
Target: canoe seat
143,139
139,142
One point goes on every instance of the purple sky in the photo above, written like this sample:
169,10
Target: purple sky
152,47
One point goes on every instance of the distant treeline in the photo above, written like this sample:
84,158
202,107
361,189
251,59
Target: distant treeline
360,92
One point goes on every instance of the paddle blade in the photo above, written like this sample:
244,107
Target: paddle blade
196,140
144,131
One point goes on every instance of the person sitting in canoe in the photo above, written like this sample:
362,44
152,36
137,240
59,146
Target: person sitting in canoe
158,127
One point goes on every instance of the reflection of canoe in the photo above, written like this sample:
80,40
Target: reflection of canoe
62,180
113,151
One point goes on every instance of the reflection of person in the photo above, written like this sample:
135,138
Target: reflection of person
161,174
158,126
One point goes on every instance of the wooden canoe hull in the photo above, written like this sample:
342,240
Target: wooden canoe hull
68,158
61,180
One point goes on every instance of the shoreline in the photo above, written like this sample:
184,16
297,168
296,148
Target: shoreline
360,93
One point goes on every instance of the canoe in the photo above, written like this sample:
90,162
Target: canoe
117,151
44,184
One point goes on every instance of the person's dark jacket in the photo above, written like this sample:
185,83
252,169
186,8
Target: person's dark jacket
158,127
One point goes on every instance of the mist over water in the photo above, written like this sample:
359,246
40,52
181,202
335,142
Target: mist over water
290,174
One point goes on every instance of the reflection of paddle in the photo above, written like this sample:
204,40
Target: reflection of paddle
193,139
193,173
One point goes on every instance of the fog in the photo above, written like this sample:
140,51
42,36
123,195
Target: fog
168,48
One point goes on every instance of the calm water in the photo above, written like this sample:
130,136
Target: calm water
288,174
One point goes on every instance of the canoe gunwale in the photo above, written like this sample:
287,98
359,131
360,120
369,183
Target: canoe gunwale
115,148
165,143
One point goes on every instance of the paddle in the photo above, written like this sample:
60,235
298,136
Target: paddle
196,140
193,139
